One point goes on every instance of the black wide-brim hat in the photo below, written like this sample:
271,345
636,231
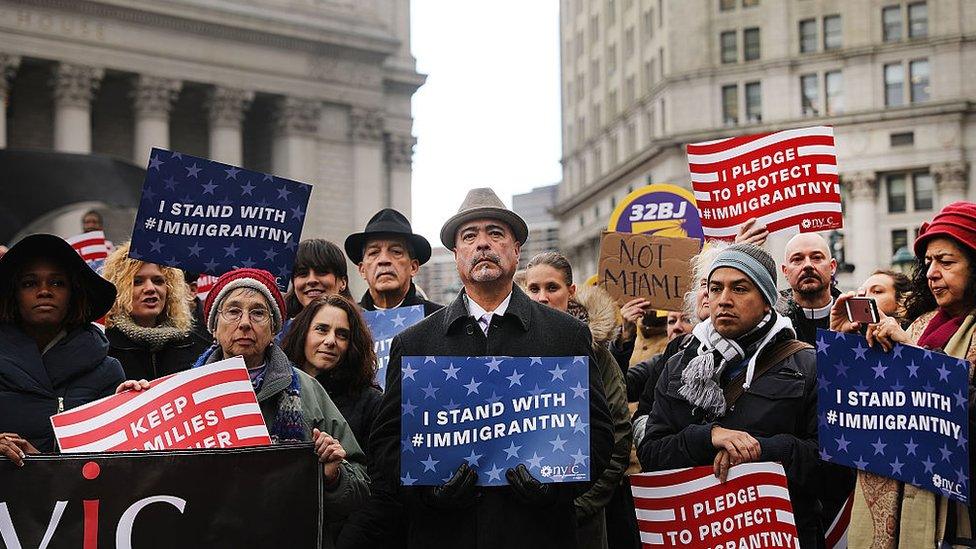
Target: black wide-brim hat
100,292
387,222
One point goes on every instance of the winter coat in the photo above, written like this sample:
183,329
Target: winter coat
359,409
411,299
601,317
496,518
779,410
140,362
319,412
33,387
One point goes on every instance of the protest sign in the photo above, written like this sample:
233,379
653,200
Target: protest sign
655,268
660,209
206,217
212,406
785,179
495,413
901,414
264,497
385,325
92,248
691,508
205,283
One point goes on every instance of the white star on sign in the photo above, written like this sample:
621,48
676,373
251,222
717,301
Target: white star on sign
515,378
408,372
430,464
473,387
558,443
535,461
579,458
493,365
450,372
494,473
398,321
579,391
232,173
557,373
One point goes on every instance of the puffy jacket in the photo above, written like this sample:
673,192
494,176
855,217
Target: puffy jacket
33,387
140,362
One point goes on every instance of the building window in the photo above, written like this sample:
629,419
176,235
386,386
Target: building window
594,29
612,106
730,50
594,73
630,90
808,35
899,240
581,130
649,74
611,59
660,56
726,5
579,43
597,163
894,81
614,151
650,124
897,193
569,92
918,71
649,23
754,102
918,20
750,42
611,12
730,105
580,92
832,32
750,3
631,139
923,191
891,23
595,117
810,94
902,139
629,43
834,92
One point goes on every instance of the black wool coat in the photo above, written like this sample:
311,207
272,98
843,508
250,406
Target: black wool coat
140,362
497,518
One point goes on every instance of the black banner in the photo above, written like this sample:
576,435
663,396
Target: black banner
267,496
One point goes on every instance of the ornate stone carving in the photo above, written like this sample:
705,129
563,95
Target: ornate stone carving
399,150
153,96
347,72
8,67
862,185
951,177
365,125
226,106
75,85
297,115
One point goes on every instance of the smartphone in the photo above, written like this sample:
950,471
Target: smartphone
863,310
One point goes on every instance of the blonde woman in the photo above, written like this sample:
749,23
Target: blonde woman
150,326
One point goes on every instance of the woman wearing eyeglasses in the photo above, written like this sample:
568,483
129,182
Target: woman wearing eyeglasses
244,311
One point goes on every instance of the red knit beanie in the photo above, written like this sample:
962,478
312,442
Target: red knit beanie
957,220
256,279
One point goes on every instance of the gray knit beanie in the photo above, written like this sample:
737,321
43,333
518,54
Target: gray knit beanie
754,262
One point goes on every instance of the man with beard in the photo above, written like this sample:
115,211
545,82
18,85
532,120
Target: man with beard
809,268
490,317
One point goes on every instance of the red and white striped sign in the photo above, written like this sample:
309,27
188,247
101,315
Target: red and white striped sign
90,246
837,533
205,283
691,508
785,179
212,406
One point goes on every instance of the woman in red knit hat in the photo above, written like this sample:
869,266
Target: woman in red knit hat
889,514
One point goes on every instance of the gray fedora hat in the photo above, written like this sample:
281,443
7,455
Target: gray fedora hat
482,203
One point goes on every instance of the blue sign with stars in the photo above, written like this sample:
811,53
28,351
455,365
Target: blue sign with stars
206,217
385,325
902,414
495,413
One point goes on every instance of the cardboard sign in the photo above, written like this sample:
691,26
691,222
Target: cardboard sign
655,268
495,413
691,508
385,325
661,210
901,415
786,179
150,500
206,217
212,406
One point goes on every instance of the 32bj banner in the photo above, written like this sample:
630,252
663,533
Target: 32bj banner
212,406
265,497
691,508
785,179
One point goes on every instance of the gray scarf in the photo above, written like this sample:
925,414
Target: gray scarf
156,337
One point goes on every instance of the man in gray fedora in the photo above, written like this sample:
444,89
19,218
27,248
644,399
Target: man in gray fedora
490,317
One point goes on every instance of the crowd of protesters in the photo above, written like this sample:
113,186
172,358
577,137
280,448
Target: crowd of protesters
731,379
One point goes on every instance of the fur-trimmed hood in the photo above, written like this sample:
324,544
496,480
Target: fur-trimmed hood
594,306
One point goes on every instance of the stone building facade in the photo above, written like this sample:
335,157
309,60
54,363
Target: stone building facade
642,78
313,90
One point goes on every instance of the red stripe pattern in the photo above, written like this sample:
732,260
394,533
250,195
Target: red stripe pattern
691,508
213,406
205,283
837,533
90,246
785,179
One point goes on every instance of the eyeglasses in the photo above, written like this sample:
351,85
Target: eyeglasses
257,316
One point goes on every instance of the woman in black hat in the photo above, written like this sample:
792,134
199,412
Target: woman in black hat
52,357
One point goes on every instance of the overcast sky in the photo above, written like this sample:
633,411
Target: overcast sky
488,115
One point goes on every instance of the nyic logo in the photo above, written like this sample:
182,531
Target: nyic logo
558,471
815,223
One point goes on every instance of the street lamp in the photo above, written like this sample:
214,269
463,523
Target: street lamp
903,260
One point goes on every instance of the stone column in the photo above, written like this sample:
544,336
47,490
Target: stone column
860,233
296,127
152,101
8,66
951,182
366,134
74,87
225,110
399,158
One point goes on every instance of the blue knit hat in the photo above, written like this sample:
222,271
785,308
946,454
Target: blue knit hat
754,262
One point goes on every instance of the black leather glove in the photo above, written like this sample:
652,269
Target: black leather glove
528,489
458,492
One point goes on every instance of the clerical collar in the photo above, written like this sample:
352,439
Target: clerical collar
817,314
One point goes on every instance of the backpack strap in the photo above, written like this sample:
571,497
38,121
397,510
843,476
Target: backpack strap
771,356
